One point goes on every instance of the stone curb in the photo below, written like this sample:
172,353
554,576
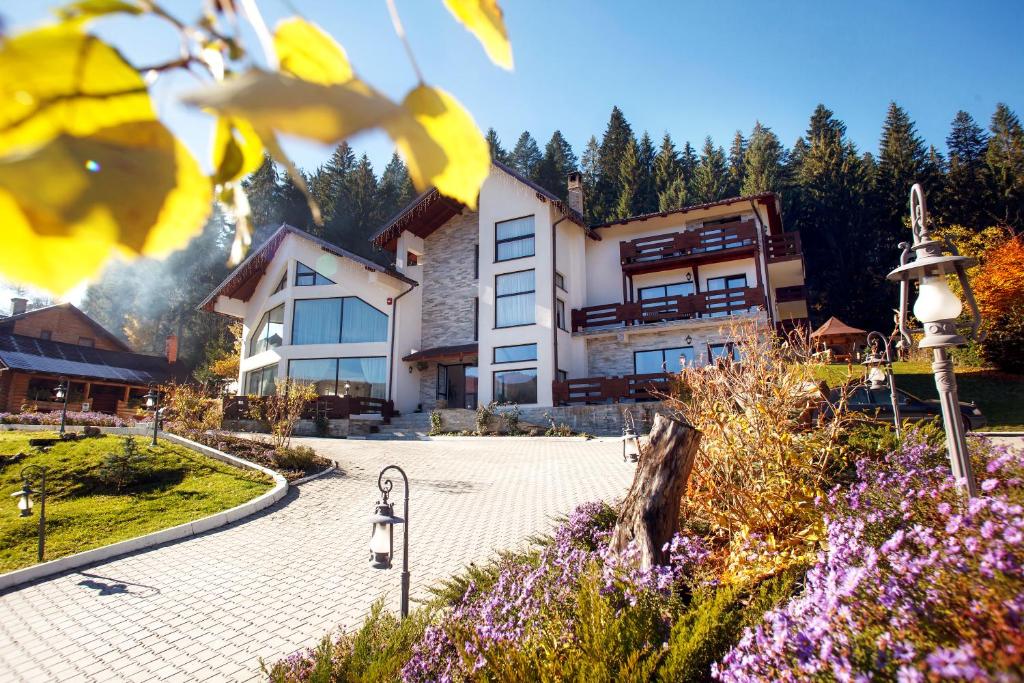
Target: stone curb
38,571
996,433
544,439
315,475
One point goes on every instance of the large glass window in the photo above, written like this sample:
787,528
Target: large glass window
514,299
717,284
662,360
560,315
269,334
261,382
662,291
516,386
330,321
726,303
515,354
338,376
320,372
723,351
514,239
306,276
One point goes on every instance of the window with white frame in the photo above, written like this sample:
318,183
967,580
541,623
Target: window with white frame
337,320
269,333
514,239
307,277
515,354
560,281
515,299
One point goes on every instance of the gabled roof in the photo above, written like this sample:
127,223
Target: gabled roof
431,210
74,310
29,354
835,327
768,199
242,281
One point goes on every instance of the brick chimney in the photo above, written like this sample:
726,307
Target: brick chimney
575,194
18,305
171,348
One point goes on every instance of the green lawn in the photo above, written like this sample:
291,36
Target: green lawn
82,512
999,395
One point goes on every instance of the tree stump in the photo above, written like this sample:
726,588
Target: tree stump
650,513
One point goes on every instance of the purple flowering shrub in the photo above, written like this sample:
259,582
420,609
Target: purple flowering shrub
74,417
914,584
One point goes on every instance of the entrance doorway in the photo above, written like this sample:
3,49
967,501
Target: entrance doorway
457,384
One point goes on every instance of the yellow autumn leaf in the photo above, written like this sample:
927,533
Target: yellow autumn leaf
132,188
441,144
274,101
306,51
237,150
90,9
57,80
484,20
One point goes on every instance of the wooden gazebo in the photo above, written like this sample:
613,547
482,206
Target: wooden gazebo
839,339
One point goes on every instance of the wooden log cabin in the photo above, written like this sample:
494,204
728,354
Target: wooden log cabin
38,347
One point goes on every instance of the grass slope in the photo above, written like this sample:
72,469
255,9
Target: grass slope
999,395
83,513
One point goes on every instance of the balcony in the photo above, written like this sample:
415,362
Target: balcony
787,294
784,247
710,244
610,389
664,309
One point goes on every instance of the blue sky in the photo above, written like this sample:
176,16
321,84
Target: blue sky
693,68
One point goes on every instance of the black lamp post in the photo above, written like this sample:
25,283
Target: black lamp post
24,497
880,371
937,308
382,542
153,403
61,394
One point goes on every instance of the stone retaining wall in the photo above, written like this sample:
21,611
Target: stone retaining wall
599,420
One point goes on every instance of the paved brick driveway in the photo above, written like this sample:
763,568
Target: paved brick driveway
209,607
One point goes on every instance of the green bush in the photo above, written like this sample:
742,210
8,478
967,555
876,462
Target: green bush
301,458
436,423
1002,347
124,468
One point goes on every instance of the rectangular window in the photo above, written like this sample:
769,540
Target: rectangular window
320,372
724,303
307,277
662,360
281,284
560,281
514,299
662,291
513,239
86,341
561,375
516,386
329,321
717,284
340,376
722,351
269,333
261,382
560,315
515,354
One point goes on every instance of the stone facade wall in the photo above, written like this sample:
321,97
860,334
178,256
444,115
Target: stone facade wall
609,356
599,420
449,293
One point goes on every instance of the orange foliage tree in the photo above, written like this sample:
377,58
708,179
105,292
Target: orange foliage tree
999,281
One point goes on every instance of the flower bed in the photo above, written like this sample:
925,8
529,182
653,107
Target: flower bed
91,419
293,462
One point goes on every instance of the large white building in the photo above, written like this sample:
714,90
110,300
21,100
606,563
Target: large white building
519,301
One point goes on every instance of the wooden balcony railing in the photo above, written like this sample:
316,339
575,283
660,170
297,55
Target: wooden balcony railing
782,247
657,251
702,305
334,407
610,389
787,294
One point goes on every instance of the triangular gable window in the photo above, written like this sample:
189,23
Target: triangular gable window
306,276
281,284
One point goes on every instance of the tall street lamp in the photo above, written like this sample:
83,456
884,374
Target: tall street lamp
880,372
382,543
61,394
937,308
24,497
153,403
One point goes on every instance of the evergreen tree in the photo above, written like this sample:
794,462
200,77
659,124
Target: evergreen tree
558,161
1004,158
666,167
526,156
764,162
711,179
966,194
590,167
629,183
646,200
320,189
737,164
618,136
294,205
688,167
362,193
337,171
396,189
901,163
263,190
674,197
498,152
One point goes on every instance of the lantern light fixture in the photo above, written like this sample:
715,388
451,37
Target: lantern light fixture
880,372
24,497
153,403
630,445
61,394
382,534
